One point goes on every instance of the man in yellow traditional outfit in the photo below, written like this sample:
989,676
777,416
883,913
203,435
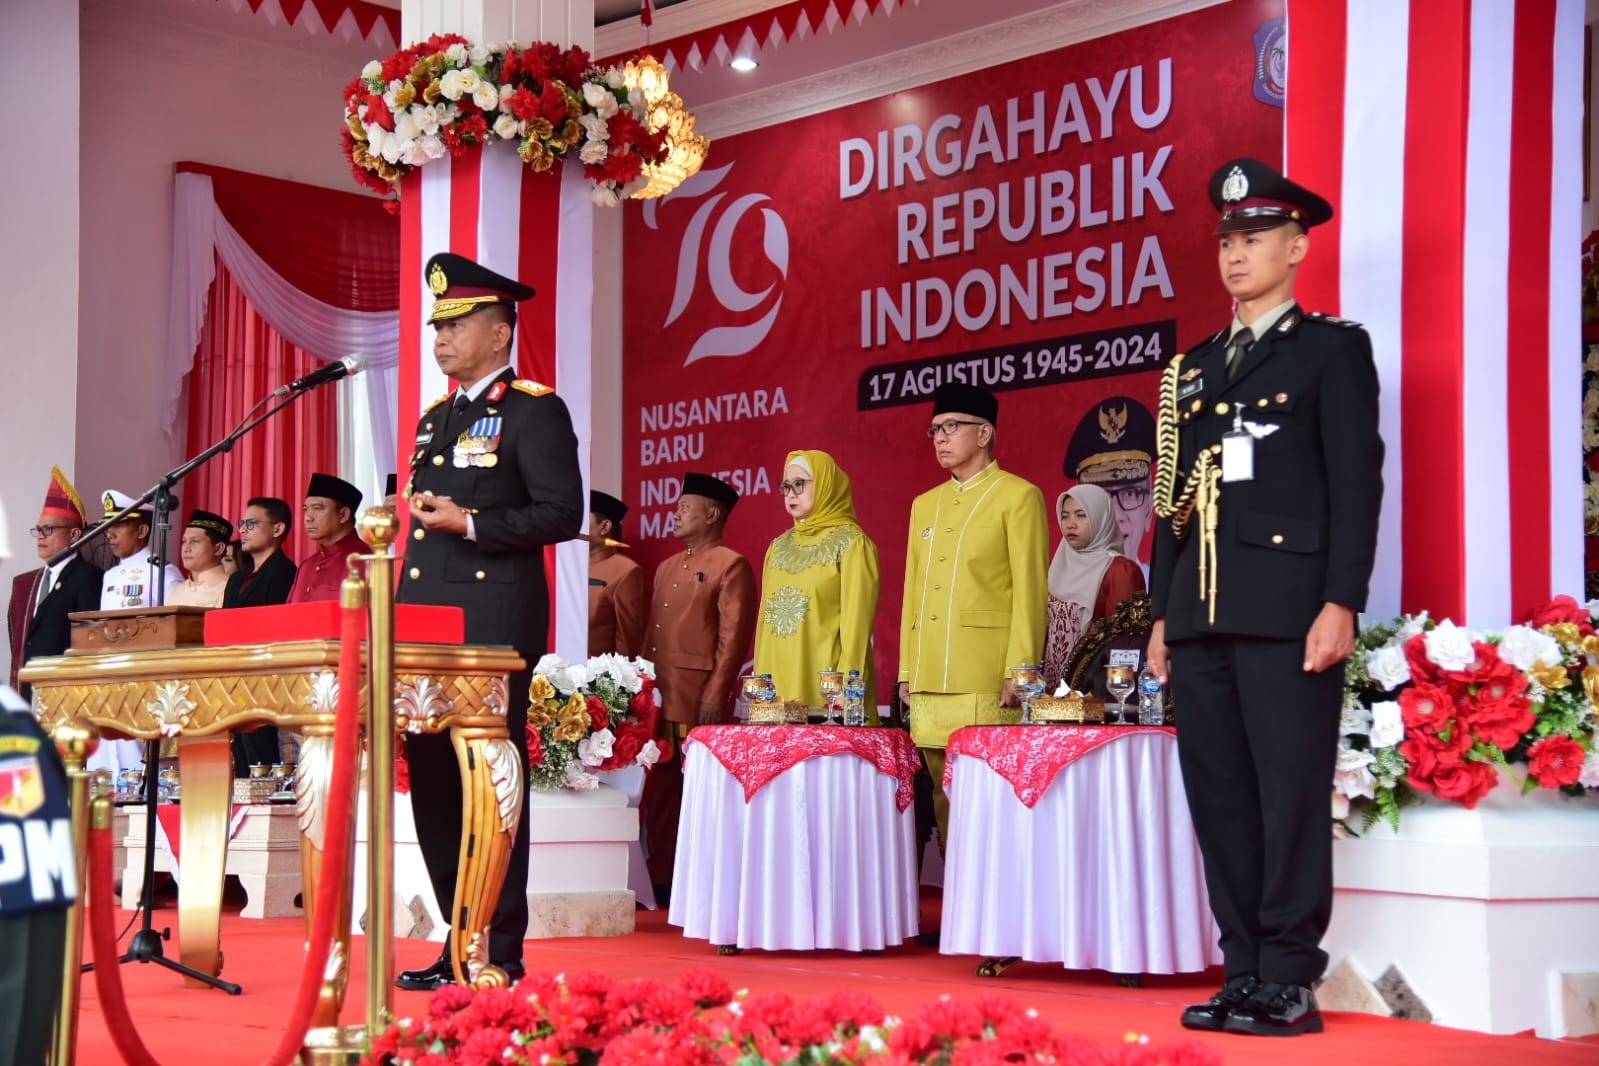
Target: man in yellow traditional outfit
819,586
976,584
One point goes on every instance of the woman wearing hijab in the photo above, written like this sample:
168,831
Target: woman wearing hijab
819,586
1089,576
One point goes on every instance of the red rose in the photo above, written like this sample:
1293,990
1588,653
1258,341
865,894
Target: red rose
1486,667
1562,609
535,748
1425,705
1426,752
1465,782
599,714
553,102
624,750
1421,667
1501,720
643,707
1556,761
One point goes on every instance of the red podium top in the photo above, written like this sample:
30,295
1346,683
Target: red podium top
413,624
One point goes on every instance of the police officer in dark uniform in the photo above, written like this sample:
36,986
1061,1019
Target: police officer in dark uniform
1268,491
494,478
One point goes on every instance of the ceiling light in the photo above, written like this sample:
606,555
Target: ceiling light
743,64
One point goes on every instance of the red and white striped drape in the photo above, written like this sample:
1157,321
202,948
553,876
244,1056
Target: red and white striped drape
1448,135
491,207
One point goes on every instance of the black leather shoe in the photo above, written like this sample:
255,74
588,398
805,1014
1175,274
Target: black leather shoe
429,978
1276,1010
1212,1015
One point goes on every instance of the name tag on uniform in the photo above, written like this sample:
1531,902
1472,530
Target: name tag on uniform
1237,456
1191,389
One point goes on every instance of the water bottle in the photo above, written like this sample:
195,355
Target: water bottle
1151,699
855,699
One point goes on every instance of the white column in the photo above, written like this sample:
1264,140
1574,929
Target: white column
39,274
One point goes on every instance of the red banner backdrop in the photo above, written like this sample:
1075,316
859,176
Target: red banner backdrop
1040,228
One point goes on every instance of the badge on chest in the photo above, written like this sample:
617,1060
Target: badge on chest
479,445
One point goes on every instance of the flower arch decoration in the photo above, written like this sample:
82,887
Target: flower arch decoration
446,96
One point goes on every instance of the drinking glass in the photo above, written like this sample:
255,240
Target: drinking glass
753,686
1028,681
832,686
1120,682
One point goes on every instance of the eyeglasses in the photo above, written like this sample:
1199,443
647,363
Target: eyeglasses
1130,497
948,427
46,531
793,488
248,523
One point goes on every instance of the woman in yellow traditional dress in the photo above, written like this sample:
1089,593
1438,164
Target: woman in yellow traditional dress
819,586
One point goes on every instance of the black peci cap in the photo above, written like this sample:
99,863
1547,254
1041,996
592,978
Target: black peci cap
607,506
337,489
711,488
957,398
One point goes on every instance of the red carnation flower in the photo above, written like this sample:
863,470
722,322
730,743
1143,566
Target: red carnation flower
708,989
1501,718
1556,761
1425,705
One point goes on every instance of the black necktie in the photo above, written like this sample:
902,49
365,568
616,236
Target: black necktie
1242,341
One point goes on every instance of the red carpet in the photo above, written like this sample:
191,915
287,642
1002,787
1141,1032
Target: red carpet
183,1026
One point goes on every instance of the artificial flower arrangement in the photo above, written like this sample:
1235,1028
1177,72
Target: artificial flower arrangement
446,95
588,717
1433,707
699,1020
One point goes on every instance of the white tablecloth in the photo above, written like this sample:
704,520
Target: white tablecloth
1103,872
821,857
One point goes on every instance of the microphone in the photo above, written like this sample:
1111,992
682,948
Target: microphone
350,364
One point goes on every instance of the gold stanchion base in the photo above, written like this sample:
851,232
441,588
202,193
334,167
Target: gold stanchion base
334,1045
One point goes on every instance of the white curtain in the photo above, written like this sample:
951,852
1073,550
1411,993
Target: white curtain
200,235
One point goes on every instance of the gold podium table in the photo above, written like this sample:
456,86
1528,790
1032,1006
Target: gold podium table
200,694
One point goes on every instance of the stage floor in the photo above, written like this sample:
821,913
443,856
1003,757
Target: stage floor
183,1026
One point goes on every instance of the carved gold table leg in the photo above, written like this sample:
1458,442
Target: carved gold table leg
313,773
494,791
206,765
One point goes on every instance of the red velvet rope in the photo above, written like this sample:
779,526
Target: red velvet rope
336,847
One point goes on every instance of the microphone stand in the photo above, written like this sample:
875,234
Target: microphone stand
145,947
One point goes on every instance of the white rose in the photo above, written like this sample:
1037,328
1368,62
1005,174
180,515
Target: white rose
456,53
1340,806
600,99
1591,607
486,96
595,127
394,84
479,55
596,747
1449,646
579,779
1590,771
1524,647
1387,724
1412,624
469,81
649,754
1352,774
1388,667
413,154
372,71
636,101
594,152
1354,720
433,147
506,92
604,196
450,85
393,148
507,128
615,78
405,127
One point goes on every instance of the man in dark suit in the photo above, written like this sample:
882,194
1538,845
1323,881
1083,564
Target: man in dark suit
494,479
267,583
1269,489
41,599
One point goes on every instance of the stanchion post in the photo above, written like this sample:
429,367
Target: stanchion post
76,740
378,527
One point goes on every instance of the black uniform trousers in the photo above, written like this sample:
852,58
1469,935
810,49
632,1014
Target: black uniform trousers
30,983
1257,738
437,810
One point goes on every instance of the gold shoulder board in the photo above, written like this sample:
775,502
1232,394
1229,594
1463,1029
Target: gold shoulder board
532,388
438,401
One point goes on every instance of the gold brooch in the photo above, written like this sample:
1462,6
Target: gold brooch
437,281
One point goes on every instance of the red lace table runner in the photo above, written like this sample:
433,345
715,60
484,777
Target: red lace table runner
1029,756
756,754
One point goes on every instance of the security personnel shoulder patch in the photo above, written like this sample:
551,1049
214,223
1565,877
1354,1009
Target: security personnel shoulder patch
1331,321
532,388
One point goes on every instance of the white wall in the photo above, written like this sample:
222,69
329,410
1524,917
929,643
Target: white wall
1590,205
181,92
39,271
